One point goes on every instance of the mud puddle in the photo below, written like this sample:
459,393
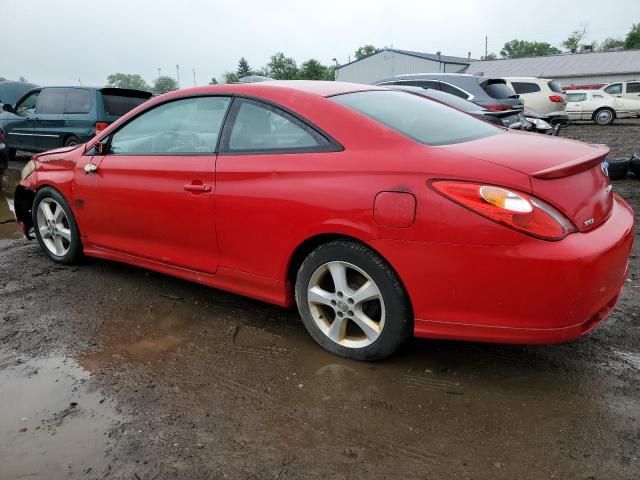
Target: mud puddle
52,425
9,179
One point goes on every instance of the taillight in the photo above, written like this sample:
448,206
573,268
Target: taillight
1,136
100,126
556,98
498,108
516,210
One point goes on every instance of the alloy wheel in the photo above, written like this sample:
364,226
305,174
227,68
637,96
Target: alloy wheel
53,227
346,304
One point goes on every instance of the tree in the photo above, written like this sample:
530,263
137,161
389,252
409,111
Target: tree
126,80
244,69
213,81
489,56
282,68
611,44
22,79
632,40
523,48
312,69
2,79
230,77
164,84
574,41
366,50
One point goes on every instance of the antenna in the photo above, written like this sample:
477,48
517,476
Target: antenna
178,74
194,77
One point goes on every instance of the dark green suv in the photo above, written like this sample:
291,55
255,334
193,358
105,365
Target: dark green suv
51,117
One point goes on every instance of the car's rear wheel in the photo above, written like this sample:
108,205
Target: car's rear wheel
352,302
55,227
604,116
71,140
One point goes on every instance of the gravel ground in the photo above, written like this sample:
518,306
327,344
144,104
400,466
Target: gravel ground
109,371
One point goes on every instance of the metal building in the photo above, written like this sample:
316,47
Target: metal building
389,62
567,69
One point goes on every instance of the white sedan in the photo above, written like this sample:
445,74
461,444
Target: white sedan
599,106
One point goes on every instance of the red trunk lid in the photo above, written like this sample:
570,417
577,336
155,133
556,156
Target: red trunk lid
565,173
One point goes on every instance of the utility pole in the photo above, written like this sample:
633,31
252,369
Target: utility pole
486,46
194,77
159,71
178,74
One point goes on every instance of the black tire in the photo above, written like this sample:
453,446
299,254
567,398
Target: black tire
74,247
604,116
618,168
634,163
396,307
72,140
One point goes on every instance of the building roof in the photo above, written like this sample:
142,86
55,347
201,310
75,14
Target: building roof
564,65
427,56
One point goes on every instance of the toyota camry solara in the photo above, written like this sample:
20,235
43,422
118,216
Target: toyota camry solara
379,213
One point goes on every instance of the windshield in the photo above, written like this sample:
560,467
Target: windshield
418,118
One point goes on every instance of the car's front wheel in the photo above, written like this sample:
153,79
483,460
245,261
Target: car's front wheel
55,227
352,302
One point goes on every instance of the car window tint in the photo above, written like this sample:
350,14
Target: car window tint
445,87
450,100
615,89
555,87
576,97
633,87
119,103
51,101
187,126
418,118
257,127
28,104
78,101
525,87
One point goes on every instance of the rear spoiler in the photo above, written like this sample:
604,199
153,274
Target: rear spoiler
572,167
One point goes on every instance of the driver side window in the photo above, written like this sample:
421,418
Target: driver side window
28,104
187,126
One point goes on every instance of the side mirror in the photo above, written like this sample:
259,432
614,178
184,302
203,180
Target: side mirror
7,108
101,148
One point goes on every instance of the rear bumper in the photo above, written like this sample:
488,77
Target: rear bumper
532,292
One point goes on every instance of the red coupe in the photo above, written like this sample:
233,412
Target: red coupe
380,213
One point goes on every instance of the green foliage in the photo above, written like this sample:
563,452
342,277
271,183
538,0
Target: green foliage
282,68
312,69
632,40
366,50
230,77
164,84
244,69
523,48
574,41
489,56
2,79
126,80
22,79
610,44
213,81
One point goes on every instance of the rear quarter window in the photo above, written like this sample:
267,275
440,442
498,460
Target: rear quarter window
423,120
576,97
497,89
78,101
555,87
117,104
525,87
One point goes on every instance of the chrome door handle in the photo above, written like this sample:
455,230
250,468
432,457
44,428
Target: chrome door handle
193,187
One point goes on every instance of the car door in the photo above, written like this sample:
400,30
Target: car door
47,127
151,194
19,129
574,105
265,158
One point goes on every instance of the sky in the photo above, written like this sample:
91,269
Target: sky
55,42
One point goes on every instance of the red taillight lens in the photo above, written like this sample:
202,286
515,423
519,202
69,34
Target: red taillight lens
515,210
100,126
556,98
498,108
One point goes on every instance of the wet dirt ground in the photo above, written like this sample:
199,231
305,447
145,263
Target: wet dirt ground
109,371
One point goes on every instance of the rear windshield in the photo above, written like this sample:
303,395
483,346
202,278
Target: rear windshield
498,89
119,103
416,117
555,87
